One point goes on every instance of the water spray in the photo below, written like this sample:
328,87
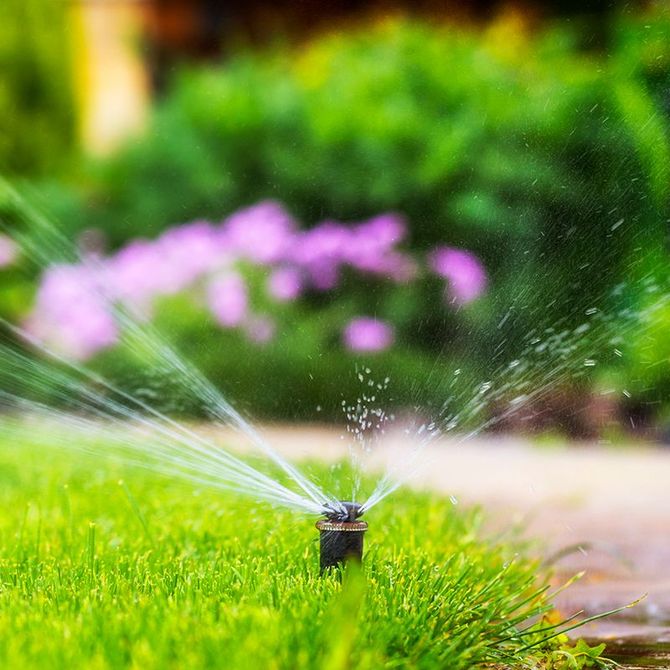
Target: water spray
341,534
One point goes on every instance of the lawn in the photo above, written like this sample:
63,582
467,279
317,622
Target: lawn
102,566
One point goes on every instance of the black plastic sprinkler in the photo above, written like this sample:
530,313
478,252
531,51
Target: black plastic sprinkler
341,534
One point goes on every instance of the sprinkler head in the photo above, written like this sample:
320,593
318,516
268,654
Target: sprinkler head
341,534
343,511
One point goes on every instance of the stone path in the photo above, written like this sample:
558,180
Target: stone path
613,501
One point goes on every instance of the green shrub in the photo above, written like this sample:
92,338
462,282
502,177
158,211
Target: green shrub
37,115
549,162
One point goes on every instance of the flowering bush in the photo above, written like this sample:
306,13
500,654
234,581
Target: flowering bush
369,335
547,162
216,264
551,164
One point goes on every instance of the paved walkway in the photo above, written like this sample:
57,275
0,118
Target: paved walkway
614,502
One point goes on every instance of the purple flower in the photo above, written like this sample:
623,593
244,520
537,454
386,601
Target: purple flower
9,251
261,233
74,306
71,313
190,251
137,273
365,334
371,248
285,284
227,299
386,230
321,251
367,247
144,270
260,329
464,271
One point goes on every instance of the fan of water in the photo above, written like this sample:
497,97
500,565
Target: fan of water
94,413
132,426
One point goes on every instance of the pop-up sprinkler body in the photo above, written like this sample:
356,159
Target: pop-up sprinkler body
341,535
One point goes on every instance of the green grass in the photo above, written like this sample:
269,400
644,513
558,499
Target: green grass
152,573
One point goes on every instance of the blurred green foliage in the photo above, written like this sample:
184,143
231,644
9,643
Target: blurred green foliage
548,160
494,135
38,123
37,101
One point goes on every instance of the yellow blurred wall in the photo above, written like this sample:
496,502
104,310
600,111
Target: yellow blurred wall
112,82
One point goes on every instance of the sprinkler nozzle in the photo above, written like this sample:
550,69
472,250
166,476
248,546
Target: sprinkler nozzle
343,511
341,534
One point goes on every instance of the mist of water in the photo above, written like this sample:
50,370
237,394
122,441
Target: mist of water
101,407
550,357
